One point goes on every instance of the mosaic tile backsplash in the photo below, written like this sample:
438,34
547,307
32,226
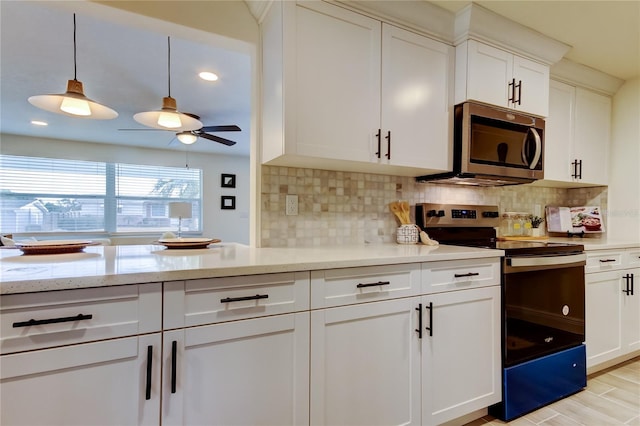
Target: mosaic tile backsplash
353,208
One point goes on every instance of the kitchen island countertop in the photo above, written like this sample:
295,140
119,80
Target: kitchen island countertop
100,266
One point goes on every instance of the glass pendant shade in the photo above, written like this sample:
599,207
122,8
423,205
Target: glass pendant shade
187,138
73,102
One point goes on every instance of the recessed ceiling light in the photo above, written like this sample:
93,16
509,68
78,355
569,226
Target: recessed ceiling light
39,123
209,76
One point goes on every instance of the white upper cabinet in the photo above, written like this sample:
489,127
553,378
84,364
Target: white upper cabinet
577,136
343,91
494,76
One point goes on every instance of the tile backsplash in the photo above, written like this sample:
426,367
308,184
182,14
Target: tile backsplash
351,208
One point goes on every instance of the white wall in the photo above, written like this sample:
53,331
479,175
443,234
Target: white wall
624,178
227,225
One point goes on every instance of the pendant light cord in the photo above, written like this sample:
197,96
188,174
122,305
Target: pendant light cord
75,66
169,64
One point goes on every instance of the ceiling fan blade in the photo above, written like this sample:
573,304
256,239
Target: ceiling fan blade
217,139
145,129
226,128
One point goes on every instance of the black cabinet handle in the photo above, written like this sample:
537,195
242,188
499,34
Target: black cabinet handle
379,137
373,284
79,317
519,92
512,91
607,260
419,329
469,274
149,366
629,279
174,365
580,169
430,328
240,299
388,138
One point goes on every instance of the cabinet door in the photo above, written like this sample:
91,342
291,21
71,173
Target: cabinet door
592,135
336,83
113,382
631,312
417,98
558,142
365,367
461,358
489,72
249,372
603,301
533,90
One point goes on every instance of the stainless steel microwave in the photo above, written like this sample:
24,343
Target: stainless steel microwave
493,146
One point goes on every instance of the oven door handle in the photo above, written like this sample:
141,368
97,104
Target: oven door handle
529,261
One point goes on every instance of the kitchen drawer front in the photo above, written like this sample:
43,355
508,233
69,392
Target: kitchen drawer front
632,258
458,275
48,319
346,286
208,301
604,260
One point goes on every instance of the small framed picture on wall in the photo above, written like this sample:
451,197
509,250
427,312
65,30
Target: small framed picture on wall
228,202
228,181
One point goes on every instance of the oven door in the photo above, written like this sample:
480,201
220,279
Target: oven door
544,305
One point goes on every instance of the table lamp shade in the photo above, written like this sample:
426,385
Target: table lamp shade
180,210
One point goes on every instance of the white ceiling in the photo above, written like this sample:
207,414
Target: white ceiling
604,35
122,64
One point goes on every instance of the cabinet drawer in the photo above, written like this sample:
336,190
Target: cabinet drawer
604,260
632,258
335,287
41,320
213,300
457,275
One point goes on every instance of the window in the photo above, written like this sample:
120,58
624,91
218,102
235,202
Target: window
59,196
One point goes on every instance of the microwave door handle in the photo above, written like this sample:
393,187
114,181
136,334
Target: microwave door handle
538,153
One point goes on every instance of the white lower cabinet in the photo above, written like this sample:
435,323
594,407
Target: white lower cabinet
365,364
111,382
461,367
410,360
249,372
612,315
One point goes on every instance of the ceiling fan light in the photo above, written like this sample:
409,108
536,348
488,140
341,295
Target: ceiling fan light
187,138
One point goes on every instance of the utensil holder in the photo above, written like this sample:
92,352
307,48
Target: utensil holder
408,234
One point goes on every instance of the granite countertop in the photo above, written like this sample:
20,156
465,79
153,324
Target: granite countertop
99,266
603,243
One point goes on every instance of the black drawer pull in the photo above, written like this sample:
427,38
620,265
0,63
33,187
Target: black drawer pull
31,322
174,365
240,299
430,328
374,284
147,394
469,274
607,260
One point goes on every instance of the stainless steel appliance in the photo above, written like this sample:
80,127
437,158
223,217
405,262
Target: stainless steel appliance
543,306
493,146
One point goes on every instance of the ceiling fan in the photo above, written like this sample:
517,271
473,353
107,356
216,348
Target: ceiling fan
188,137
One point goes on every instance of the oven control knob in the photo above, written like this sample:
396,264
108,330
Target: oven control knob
440,213
431,213
490,214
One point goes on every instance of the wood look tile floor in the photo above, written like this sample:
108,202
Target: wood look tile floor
612,397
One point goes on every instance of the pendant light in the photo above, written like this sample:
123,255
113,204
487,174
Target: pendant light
168,118
73,102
